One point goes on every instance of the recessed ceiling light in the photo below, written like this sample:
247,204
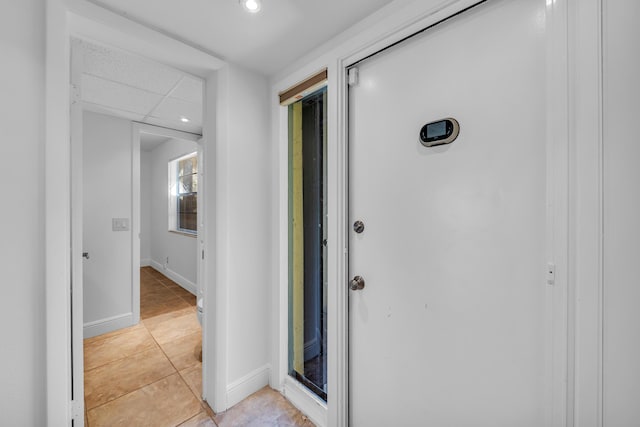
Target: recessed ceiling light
184,120
252,6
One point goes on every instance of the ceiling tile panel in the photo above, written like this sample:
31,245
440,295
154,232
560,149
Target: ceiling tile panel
172,109
189,89
128,69
115,95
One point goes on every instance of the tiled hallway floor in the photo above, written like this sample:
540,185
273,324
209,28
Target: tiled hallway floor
151,374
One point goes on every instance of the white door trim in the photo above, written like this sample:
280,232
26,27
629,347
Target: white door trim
77,226
57,219
586,229
62,20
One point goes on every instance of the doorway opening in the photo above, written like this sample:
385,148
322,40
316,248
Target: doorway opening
141,328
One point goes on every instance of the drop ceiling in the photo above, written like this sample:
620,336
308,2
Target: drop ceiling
268,41
117,83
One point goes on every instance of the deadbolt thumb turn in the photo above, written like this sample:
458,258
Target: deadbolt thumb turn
357,283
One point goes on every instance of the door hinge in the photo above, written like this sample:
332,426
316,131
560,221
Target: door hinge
353,76
551,273
77,411
203,254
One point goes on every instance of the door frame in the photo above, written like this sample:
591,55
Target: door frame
559,307
65,18
384,28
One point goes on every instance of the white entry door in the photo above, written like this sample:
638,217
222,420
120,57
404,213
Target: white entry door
449,329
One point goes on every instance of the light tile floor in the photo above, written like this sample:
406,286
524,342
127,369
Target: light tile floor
151,374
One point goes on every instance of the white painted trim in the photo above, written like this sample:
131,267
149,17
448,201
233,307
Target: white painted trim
557,364
180,280
145,262
280,253
338,311
77,233
102,326
57,219
135,222
586,232
214,286
307,402
244,387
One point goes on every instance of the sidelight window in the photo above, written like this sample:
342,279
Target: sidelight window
307,241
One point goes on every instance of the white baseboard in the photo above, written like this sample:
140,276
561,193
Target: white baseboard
180,280
247,385
102,326
307,402
146,262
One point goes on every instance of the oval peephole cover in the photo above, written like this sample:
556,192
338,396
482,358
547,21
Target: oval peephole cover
440,132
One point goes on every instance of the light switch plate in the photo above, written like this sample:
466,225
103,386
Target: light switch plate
120,224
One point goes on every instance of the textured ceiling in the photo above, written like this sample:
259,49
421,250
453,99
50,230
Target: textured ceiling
128,86
268,41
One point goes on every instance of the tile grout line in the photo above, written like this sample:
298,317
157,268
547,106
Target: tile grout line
159,346
179,374
175,371
199,398
123,357
134,354
129,392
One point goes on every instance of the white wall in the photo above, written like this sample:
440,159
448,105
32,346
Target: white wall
621,357
181,250
107,192
145,208
22,291
243,233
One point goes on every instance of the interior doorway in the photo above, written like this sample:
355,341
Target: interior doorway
116,117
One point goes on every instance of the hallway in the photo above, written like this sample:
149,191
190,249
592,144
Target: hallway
151,374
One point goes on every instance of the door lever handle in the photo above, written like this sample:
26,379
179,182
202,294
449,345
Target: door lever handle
85,255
